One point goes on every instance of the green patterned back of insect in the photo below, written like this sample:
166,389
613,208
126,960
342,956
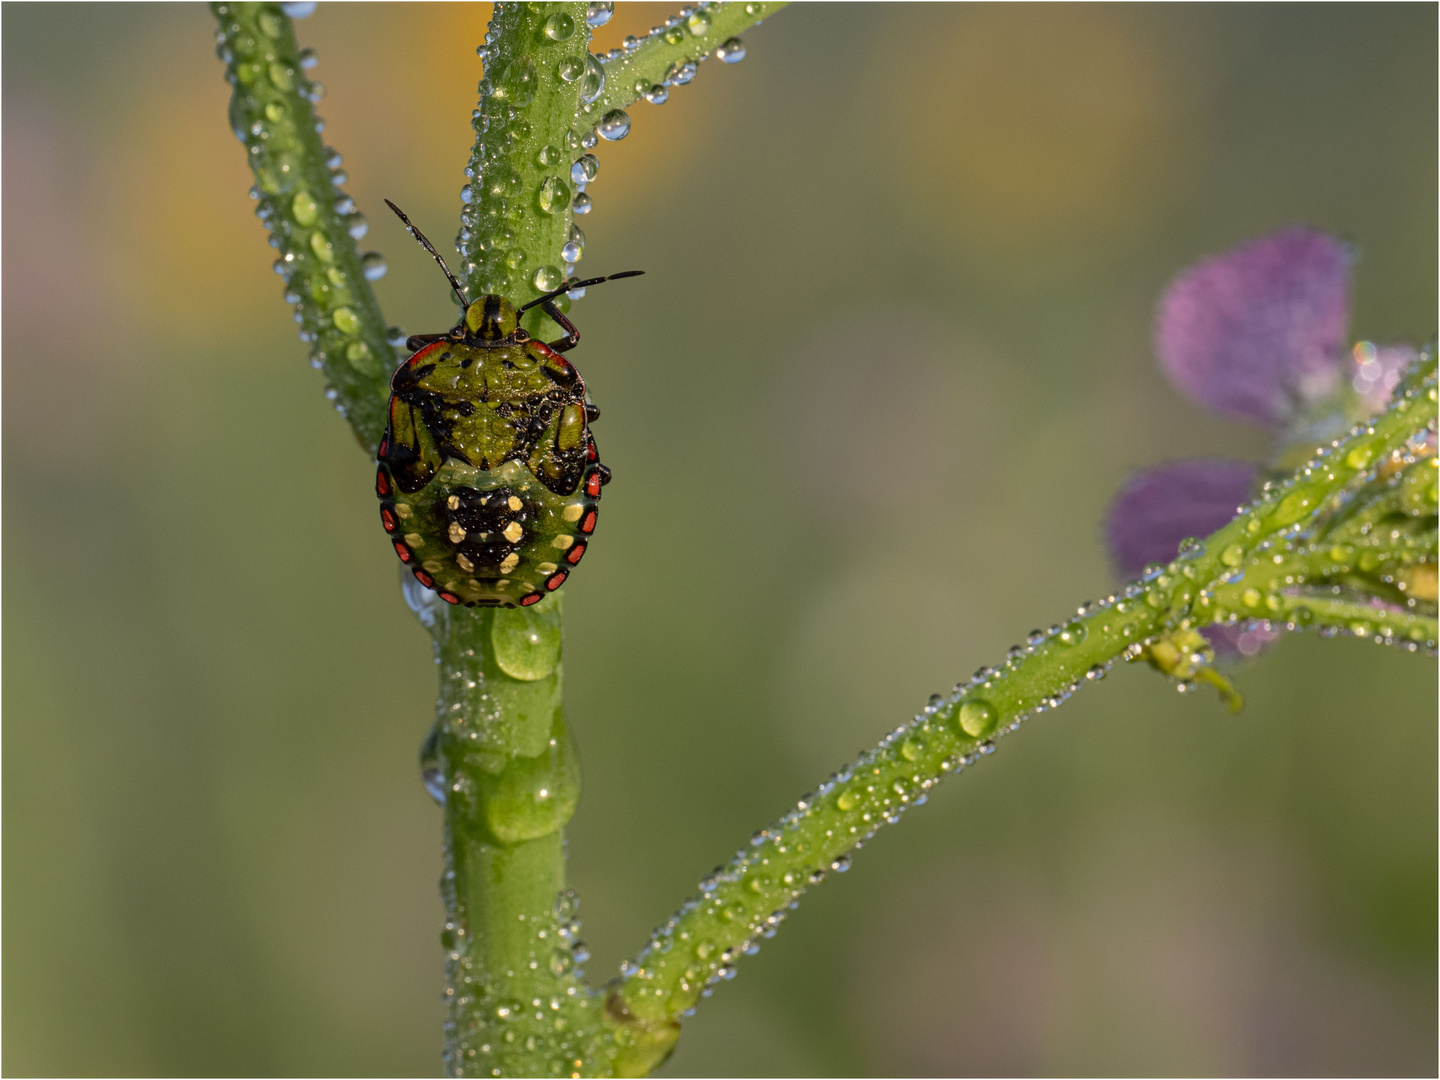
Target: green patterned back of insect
488,476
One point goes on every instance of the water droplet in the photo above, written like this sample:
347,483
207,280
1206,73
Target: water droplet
841,864
550,155
431,773
395,336
270,24
1073,633
466,194
554,195
308,59
372,264
570,69
559,27
1292,508
580,952
571,251
978,718
698,23
657,94
732,50
547,278
1233,555
674,35
585,169
1359,457
614,125
631,43
680,74
357,226
598,12
304,208
297,9
346,321
592,81
281,77
583,202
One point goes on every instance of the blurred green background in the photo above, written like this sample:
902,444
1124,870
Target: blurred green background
890,361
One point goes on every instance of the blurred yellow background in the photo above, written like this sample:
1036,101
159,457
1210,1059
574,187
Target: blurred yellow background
901,267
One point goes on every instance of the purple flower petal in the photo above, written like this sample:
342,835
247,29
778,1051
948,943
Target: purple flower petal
1377,370
1260,329
1241,640
1160,507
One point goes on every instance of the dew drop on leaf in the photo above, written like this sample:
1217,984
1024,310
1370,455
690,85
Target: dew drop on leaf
731,51
614,125
372,264
560,26
978,718
598,12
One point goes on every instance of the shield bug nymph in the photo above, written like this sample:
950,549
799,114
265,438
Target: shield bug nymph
488,476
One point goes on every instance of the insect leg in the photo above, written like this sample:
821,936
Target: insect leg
572,335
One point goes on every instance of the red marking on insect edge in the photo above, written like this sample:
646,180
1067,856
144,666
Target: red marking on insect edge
575,553
382,485
533,598
592,485
388,519
449,598
588,524
403,552
591,454
384,446
556,580
424,579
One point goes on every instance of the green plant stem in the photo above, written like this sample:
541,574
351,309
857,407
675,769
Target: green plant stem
660,58
310,220
518,198
745,902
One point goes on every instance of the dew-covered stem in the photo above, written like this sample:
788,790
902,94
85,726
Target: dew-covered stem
501,760
516,234
313,225
668,56
744,902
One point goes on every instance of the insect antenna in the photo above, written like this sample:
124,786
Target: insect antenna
431,249
574,285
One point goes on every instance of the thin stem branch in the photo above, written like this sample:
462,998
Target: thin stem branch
746,901
313,225
669,55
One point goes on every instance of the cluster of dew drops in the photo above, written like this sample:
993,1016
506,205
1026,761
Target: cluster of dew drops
303,208
492,254
485,1027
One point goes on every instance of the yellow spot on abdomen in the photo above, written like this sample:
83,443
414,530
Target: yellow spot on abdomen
513,532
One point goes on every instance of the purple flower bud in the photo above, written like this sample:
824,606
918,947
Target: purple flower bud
1160,507
1260,330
